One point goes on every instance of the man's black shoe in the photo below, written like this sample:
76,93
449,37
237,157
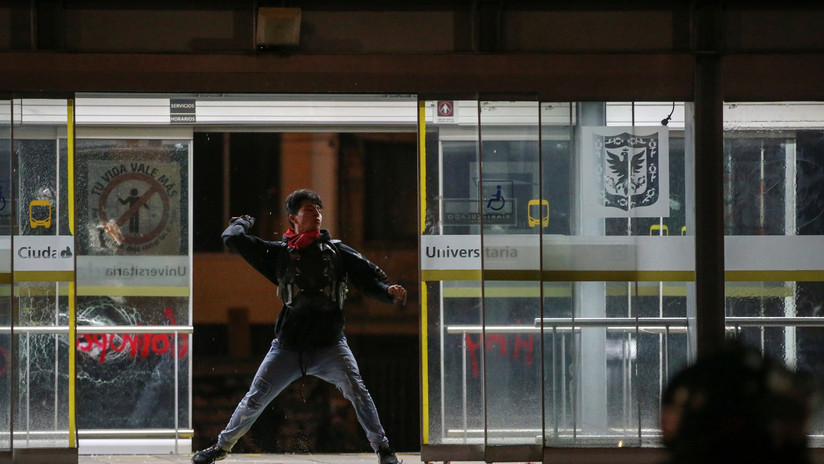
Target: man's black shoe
209,455
387,456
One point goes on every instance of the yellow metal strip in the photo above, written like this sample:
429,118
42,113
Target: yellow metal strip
518,291
565,291
70,167
513,275
423,298
646,289
560,276
72,367
436,276
5,278
422,161
44,276
88,290
618,276
774,276
615,276
732,291
40,288
617,289
424,368
71,295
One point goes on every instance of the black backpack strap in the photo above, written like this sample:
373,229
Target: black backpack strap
284,280
340,290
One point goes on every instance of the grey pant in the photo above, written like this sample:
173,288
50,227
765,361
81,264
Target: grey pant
335,364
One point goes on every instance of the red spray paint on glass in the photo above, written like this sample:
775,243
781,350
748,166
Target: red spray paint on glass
493,339
138,345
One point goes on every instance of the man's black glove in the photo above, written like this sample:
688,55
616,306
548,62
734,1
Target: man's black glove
246,221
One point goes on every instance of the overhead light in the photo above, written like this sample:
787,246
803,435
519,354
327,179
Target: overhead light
277,28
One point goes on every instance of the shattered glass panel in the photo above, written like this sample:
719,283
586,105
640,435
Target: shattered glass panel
133,271
127,380
43,263
37,189
132,381
41,344
132,197
134,311
40,415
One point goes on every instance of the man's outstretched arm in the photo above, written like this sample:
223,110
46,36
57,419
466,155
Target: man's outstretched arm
370,278
257,252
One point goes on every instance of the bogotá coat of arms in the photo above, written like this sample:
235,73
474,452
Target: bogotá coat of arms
629,170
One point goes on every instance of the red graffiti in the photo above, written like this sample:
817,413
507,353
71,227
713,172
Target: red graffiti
472,348
137,344
492,339
4,361
528,346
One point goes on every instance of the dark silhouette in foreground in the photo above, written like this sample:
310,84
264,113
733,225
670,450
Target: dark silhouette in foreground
737,406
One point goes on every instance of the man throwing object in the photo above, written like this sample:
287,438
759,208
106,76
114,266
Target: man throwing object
311,271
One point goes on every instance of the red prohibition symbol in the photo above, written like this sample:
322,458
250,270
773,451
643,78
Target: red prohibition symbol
154,188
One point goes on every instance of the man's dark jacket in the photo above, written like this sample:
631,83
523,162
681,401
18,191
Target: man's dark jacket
312,313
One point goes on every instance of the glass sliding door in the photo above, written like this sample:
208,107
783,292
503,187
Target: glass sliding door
452,311
509,182
617,267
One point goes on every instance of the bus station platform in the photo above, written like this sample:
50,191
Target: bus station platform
354,458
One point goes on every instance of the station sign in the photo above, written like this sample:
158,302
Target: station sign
43,253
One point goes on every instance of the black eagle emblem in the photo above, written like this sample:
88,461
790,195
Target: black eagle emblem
626,175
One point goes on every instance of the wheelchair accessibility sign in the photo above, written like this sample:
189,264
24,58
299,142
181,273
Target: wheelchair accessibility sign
497,205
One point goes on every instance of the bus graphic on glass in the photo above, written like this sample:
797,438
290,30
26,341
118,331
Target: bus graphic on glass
538,213
40,214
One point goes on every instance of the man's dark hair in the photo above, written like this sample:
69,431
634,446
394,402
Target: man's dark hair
296,198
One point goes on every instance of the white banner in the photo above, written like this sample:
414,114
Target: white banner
617,253
463,252
774,253
560,253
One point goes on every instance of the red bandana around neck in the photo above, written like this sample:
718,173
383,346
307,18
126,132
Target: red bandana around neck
302,240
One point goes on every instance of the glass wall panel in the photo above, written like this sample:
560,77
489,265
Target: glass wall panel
510,181
572,239
43,246
455,355
618,255
774,203
134,274
5,278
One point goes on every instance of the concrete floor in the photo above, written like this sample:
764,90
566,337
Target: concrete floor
364,458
